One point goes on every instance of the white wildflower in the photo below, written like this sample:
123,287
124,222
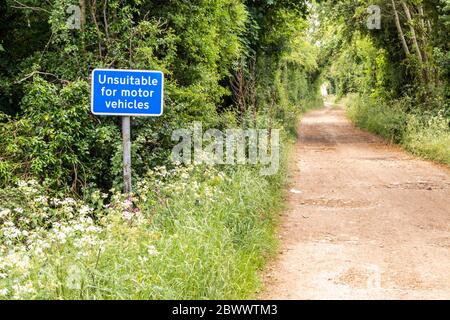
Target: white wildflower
23,291
93,229
185,175
69,201
41,200
85,210
126,215
142,259
11,232
32,182
61,236
151,250
22,183
4,213
127,203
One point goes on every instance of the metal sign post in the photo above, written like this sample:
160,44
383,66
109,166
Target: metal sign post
127,93
126,143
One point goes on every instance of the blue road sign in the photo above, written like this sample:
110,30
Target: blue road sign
127,92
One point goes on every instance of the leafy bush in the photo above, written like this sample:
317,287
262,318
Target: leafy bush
425,134
52,137
57,139
429,137
375,116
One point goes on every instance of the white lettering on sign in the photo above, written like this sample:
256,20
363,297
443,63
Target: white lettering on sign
128,80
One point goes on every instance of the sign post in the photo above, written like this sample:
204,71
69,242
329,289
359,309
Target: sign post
126,142
127,93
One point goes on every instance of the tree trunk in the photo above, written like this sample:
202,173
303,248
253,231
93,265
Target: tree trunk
413,32
82,14
252,89
238,87
424,34
399,29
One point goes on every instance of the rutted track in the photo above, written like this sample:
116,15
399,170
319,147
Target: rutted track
365,220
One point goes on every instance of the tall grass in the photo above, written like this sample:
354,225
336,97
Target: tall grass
427,135
205,240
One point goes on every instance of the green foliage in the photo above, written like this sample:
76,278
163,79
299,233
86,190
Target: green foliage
424,134
56,138
183,240
374,115
356,59
197,45
187,232
194,44
429,137
399,95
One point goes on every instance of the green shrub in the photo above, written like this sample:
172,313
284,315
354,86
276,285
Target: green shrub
425,134
57,139
375,116
191,233
429,137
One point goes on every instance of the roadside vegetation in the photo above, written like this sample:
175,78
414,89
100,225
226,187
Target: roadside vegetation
426,134
192,233
187,231
395,81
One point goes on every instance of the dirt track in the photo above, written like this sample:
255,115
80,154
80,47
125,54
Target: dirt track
364,221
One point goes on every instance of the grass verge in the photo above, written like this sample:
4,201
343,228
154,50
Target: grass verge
426,135
182,239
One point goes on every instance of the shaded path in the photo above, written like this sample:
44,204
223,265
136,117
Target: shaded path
365,220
